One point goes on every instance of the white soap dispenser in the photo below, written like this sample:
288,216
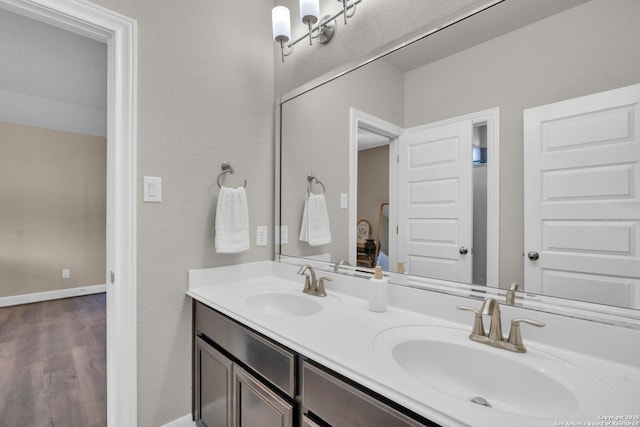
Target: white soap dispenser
378,291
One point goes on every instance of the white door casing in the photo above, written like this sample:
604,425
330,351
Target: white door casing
582,198
374,124
435,200
119,33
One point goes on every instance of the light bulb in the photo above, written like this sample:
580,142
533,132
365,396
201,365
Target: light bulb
281,21
309,11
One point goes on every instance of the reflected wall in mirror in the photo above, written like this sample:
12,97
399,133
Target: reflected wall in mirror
526,63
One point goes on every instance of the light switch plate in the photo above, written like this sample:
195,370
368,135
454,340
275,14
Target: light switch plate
284,235
152,189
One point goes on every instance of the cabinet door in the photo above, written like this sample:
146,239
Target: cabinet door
213,376
257,405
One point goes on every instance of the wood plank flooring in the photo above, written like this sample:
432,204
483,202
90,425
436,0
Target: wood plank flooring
53,363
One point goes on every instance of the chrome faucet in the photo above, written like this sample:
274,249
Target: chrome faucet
337,265
311,286
511,293
491,307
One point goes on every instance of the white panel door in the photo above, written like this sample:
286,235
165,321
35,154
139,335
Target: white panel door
582,198
435,201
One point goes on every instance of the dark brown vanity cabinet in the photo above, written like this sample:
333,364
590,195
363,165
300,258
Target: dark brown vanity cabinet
213,382
242,379
340,404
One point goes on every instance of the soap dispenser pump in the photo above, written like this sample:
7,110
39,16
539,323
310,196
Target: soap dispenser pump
378,291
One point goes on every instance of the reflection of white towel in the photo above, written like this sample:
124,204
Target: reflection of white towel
315,221
232,221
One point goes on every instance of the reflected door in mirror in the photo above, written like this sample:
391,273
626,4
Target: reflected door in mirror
435,201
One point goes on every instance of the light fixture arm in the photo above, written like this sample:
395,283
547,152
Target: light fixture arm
282,50
346,7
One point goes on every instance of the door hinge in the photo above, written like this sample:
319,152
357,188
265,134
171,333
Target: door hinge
112,277
397,229
398,158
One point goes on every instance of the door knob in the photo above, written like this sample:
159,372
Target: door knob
533,255
463,250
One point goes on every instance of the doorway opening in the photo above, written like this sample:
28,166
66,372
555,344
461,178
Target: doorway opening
377,140
119,33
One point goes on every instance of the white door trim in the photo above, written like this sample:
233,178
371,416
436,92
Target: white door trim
492,119
358,119
119,33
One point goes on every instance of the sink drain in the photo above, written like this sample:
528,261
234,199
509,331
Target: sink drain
481,401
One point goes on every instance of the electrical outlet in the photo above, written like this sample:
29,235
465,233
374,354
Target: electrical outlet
66,273
261,235
276,235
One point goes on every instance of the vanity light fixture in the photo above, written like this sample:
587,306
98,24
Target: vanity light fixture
321,29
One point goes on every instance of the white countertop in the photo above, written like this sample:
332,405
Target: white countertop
344,334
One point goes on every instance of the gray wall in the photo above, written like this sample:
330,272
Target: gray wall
315,139
205,95
568,55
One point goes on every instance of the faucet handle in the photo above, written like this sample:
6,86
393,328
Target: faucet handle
478,326
321,292
515,337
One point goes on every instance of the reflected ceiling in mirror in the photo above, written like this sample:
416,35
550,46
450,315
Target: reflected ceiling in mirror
524,65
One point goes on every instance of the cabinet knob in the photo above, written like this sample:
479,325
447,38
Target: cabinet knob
533,256
463,250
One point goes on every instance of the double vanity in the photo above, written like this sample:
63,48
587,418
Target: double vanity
266,353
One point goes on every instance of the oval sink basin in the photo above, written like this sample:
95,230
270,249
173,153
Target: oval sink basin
286,304
532,384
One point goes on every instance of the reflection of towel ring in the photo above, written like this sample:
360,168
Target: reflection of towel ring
311,178
227,168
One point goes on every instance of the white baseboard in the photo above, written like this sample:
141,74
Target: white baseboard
51,295
185,421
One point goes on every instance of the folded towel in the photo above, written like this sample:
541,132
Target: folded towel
315,221
232,221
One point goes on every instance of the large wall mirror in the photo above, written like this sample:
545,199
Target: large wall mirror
502,149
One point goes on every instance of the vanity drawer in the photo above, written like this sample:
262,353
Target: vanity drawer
275,363
342,405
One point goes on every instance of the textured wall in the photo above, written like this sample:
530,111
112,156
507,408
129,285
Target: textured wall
53,187
205,95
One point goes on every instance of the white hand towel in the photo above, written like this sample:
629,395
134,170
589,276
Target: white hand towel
232,221
304,228
315,227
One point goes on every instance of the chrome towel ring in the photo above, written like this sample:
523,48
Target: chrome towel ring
227,168
311,178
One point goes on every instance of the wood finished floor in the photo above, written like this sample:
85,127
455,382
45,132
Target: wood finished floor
53,363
